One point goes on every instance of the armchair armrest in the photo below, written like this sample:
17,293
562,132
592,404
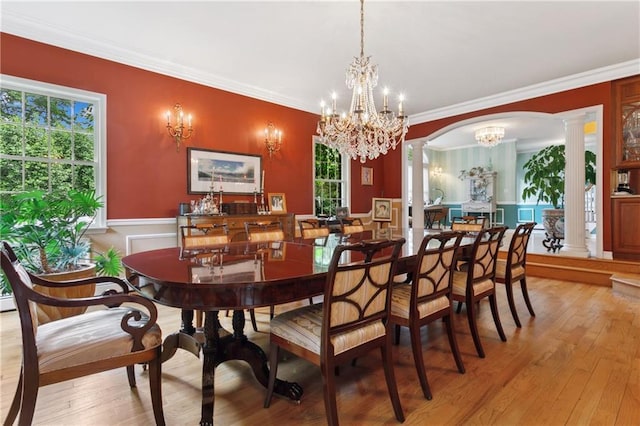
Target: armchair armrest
35,279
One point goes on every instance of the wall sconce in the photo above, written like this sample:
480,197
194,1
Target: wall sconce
436,172
272,139
178,132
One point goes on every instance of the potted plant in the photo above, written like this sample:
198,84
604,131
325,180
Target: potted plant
47,231
544,179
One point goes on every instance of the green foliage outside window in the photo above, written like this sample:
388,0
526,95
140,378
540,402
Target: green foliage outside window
46,143
328,180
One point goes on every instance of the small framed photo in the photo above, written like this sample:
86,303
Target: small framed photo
277,202
366,175
381,209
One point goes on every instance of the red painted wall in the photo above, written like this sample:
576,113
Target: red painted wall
146,176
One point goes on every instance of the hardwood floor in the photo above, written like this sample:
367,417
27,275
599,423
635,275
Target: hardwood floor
577,362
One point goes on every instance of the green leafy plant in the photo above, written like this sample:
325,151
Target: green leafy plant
544,175
47,231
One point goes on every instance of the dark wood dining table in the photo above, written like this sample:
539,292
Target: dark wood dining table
238,276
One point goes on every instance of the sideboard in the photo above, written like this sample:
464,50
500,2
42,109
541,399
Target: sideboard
235,223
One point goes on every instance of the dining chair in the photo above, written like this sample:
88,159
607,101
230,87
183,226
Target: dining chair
92,342
428,298
513,268
352,320
351,226
466,226
477,281
264,232
310,233
310,230
196,239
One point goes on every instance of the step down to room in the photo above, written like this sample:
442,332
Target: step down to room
628,284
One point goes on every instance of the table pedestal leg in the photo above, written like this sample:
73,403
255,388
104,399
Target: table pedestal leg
218,349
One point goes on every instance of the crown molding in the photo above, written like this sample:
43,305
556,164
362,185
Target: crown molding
608,73
34,30
59,37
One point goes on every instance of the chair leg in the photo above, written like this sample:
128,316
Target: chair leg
252,315
311,300
30,386
525,293
273,370
418,359
397,334
387,362
131,375
15,404
453,342
155,386
459,309
272,311
473,327
512,303
496,316
329,390
199,319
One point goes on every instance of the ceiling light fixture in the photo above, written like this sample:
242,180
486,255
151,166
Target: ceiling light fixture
490,136
363,132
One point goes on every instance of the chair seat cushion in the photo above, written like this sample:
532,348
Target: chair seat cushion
86,338
401,298
517,272
460,284
303,327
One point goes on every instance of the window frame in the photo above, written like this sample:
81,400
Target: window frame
344,178
99,101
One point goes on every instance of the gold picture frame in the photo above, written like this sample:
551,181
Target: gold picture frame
366,175
277,202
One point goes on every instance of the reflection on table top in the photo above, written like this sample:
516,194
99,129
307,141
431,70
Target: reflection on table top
245,274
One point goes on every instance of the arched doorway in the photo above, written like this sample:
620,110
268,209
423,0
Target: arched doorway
537,128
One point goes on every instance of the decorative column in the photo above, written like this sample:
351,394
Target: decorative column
417,190
574,221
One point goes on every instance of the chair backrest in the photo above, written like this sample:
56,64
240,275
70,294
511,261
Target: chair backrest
351,226
482,263
358,294
264,231
433,274
466,227
517,255
310,231
481,220
24,296
196,238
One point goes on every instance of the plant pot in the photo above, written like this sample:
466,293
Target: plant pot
553,223
47,313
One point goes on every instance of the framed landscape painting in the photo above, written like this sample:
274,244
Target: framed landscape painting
212,171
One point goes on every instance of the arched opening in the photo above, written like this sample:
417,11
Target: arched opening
453,148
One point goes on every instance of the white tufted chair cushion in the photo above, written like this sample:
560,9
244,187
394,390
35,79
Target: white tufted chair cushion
92,336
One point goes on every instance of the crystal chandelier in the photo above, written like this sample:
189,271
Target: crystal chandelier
489,136
363,132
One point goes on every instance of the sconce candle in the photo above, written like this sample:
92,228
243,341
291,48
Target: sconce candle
272,139
178,132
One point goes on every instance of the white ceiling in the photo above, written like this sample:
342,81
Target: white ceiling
447,57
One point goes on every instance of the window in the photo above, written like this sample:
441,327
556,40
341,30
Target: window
52,138
330,179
